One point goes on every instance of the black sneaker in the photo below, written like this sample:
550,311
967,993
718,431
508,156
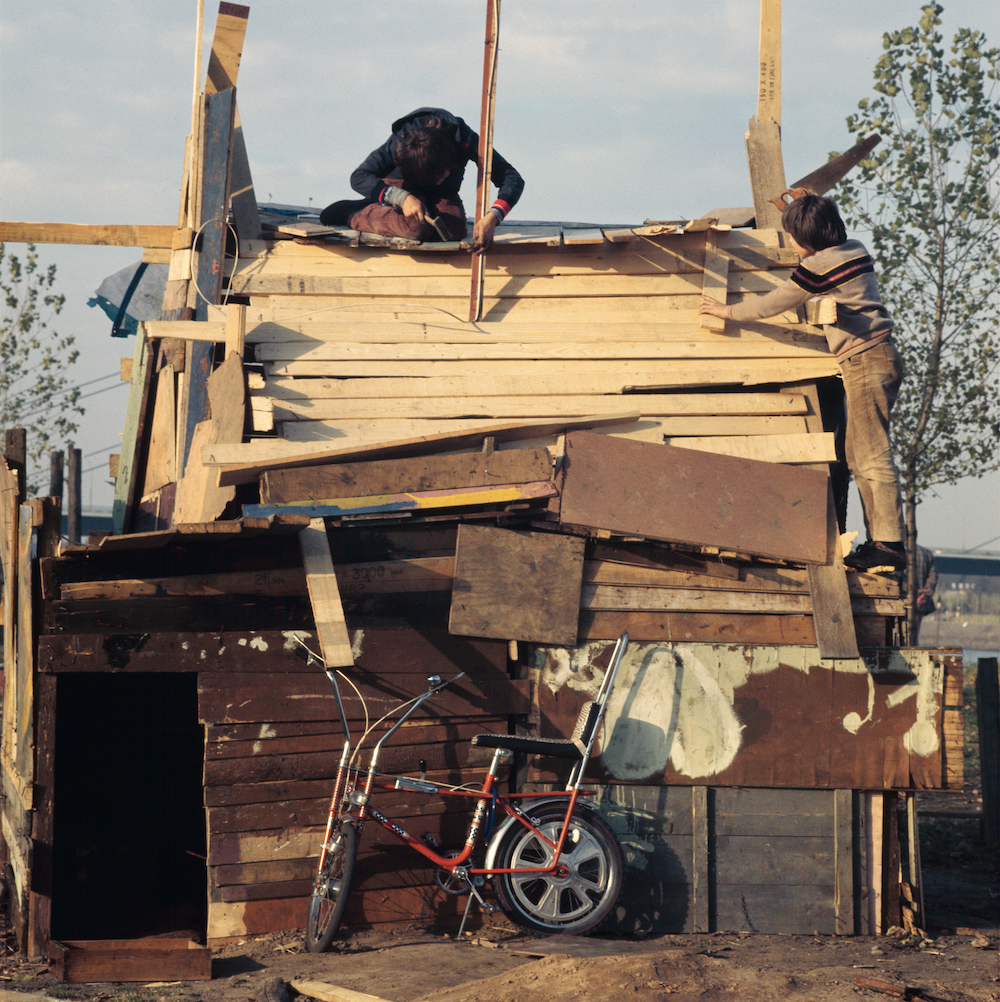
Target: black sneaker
338,213
872,553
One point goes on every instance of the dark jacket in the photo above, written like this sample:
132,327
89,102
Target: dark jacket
381,163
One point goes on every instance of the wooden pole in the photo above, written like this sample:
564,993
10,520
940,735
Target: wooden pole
56,474
485,154
988,712
769,67
74,512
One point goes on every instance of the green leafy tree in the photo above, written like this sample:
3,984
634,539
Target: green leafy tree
35,393
928,198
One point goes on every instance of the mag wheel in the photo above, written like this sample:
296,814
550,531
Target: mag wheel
580,892
333,885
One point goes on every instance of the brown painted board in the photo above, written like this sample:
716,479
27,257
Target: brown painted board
100,960
685,496
348,480
755,716
234,698
516,585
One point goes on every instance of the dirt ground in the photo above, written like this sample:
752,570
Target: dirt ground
507,966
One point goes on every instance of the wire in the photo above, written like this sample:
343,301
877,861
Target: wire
236,258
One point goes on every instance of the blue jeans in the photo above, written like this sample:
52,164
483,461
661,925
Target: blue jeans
871,385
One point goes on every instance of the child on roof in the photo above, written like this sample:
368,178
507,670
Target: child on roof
861,341
414,177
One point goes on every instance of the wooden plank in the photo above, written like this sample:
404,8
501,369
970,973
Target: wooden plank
635,488
161,457
988,715
516,585
227,47
324,595
105,235
830,596
352,480
232,698
374,576
199,496
130,473
686,373
844,851
767,171
237,471
701,872
716,284
484,153
326,992
418,501
798,448
81,961
769,63
649,405
577,236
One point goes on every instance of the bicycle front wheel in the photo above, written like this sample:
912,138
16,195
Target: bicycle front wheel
580,892
332,887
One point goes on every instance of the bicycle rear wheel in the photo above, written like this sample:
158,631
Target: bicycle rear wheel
332,887
580,893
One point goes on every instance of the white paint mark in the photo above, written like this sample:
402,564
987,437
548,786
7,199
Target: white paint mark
242,641
259,644
267,731
185,645
294,638
922,738
359,636
203,656
244,703
853,721
258,747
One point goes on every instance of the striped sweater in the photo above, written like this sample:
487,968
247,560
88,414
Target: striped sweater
845,274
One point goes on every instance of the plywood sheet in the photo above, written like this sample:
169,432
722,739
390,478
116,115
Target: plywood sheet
753,716
662,492
516,585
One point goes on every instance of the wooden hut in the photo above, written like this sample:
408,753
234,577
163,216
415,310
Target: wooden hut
327,454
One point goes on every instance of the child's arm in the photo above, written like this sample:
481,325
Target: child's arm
786,297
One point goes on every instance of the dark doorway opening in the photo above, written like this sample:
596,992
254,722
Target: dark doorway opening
129,820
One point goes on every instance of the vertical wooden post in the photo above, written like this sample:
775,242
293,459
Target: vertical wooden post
74,508
763,138
843,866
485,154
56,473
988,712
701,877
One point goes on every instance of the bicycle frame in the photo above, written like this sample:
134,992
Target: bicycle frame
351,803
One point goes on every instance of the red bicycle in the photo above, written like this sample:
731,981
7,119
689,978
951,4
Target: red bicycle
555,865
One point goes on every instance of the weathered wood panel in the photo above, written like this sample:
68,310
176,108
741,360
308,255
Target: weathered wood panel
516,585
661,492
753,716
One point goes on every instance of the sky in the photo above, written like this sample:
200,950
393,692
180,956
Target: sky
613,111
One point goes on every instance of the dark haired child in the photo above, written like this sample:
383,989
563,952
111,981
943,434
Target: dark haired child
416,175
861,341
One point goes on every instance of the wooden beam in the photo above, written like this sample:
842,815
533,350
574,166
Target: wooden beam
769,64
324,595
131,473
716,285
107,235
484,158
239,471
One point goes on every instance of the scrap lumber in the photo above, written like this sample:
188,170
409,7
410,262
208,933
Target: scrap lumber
409,501
484,155
716,282
130,465
661,492
331,993
239,470
199,496
324,596
105,235
513,585
352,480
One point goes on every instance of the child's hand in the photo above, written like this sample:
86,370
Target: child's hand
709,305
